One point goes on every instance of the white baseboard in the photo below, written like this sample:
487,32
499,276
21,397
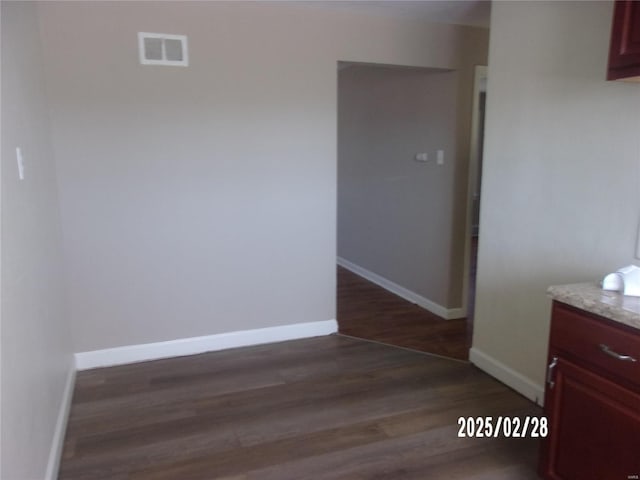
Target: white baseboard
57,443
191,346
507,375
455,313
433,307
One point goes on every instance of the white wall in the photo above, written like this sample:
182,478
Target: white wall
202,200
36,343
395,214
561,179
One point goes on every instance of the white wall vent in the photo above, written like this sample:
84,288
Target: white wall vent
163,49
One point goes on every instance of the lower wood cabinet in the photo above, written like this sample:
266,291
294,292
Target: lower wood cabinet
592,398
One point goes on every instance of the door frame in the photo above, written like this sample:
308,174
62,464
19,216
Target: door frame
479,85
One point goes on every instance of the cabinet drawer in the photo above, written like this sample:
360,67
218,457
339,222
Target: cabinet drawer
584,337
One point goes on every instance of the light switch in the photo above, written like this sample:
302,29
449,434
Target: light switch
422,157
440,157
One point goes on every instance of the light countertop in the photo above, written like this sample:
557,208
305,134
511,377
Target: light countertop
591,298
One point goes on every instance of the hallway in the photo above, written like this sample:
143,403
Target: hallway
368,311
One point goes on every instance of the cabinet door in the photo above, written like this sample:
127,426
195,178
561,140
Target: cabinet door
594,427
624,52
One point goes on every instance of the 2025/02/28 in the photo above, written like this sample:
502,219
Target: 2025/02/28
507,427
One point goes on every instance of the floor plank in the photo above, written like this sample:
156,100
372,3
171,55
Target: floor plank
324,408
368,311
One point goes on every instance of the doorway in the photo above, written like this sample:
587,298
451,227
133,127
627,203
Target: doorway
397,131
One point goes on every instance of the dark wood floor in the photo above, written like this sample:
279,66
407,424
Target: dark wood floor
368,311
325,408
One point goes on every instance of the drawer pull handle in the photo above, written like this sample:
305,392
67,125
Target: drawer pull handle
611,353
550,368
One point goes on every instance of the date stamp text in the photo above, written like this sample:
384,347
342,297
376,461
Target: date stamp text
506,427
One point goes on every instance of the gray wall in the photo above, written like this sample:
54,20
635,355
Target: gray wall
36,343
201,200
561,180
395,215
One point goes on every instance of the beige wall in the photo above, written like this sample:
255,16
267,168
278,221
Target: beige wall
202,200
36,343
395,214
561,180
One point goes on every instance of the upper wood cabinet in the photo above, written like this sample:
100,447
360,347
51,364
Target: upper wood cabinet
624,52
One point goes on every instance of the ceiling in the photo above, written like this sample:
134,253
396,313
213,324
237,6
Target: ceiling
460,12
